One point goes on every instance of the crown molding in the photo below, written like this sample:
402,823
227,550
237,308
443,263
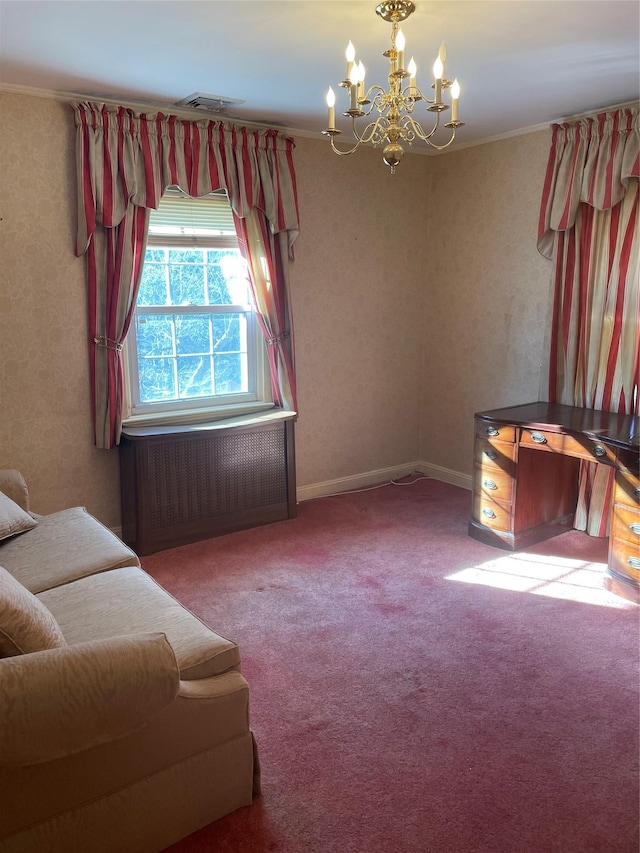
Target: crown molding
147,106
69,97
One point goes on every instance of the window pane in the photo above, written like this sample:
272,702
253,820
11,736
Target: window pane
157,381
153,284
226,332
154,335
186,283
227,278
229,373
155,255
186,256
217,286
194,376
193,335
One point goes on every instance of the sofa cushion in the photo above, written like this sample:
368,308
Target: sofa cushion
64,546
129,601
26,625
14,486
13,519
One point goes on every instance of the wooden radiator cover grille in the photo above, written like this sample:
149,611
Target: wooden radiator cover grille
216,475
179,487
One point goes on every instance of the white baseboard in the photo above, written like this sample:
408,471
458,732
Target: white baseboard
357,481
382,475
447,475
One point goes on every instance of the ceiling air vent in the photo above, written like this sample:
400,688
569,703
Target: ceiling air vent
209,103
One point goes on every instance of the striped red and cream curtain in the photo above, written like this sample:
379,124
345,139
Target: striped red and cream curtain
125,161
266,254
589,228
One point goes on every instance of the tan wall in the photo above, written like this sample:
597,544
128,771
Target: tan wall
358,286
489,292
45,428
417,298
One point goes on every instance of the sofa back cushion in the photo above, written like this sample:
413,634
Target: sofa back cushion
13,519
25,623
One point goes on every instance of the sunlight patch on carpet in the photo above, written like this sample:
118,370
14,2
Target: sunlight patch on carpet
555,577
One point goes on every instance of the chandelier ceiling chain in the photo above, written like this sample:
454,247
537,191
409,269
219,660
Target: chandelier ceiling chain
394,123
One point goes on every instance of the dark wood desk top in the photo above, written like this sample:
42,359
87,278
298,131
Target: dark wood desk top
611,428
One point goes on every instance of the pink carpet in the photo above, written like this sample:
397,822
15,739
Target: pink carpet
415,690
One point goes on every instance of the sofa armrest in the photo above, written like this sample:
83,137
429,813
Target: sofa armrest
13,485
58,702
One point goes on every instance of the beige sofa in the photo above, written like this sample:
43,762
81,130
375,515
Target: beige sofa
124,720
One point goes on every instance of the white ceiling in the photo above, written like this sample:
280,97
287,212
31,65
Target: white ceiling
520,63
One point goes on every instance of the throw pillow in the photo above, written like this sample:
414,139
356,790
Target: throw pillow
26,625
13,519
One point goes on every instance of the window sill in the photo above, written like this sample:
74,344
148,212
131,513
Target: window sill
195,416
134,428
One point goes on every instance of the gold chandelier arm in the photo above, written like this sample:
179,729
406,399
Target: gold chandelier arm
375,131
336,150
370,92
418,130
416,95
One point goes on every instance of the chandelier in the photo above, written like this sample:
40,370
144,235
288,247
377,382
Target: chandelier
394,123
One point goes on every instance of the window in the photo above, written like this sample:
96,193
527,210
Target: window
194,344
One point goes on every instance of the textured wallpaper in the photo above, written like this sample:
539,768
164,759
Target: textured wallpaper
45,428
488,296
418,298
358,294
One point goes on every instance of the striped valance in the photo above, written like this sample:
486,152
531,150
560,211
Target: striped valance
127,157
592,161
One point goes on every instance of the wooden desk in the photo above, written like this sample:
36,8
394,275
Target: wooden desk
525,483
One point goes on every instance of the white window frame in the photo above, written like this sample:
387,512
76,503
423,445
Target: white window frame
195,232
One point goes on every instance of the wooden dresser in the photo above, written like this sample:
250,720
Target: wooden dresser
525,481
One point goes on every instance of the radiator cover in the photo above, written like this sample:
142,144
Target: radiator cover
179,486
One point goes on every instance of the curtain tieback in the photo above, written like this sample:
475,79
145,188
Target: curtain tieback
107,343
277,339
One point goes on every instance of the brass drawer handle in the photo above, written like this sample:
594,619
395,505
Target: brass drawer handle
491,484
539,437
488,512
599,451
491,430
635,527
491,454
634,562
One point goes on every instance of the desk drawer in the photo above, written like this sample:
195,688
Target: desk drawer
491,514
627,490
626,524
495,455
554,442
493,483
495,432
624,559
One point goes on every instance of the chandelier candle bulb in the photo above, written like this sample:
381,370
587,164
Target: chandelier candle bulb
437,73
353,91
412,69
351,55
455,94
442,56
331,103
400,46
